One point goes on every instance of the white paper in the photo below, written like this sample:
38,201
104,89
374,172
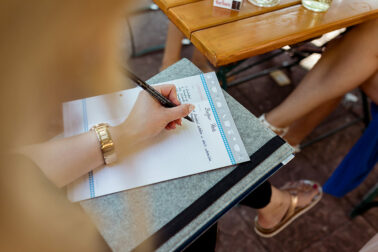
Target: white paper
209,143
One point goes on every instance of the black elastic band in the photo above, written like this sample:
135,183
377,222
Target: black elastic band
207,199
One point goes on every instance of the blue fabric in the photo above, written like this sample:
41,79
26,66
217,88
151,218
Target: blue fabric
358,162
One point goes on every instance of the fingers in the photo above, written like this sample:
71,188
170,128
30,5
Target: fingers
173,115
169,91
178,121
173,97
170,126
178,112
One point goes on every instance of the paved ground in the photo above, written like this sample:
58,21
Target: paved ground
326,227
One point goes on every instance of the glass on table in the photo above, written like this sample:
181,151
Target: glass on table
317,5
264,3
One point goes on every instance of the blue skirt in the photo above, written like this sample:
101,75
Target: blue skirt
358,162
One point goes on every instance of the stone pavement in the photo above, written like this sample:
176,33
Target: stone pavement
326,227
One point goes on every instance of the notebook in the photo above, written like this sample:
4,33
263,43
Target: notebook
211,142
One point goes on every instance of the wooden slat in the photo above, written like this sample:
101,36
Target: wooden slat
202,14
165,5
245,38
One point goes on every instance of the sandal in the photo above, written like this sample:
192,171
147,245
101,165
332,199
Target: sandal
279,131
297,148
293,211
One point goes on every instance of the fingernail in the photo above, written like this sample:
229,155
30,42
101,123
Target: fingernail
191,108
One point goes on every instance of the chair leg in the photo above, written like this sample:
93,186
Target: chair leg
221,74
367,202
366,110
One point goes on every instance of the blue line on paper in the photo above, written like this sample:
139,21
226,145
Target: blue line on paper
85,122
231,156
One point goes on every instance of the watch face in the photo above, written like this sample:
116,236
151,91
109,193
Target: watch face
106,142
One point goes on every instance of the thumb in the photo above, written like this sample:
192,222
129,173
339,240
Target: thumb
179,112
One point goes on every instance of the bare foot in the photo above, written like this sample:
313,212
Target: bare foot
272,214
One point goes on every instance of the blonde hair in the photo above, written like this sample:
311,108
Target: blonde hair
53,51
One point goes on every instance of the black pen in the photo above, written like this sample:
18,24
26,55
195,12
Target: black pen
153,92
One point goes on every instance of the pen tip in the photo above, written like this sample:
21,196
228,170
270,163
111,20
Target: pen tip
189,118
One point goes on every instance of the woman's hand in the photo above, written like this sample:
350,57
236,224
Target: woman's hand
148,117
64,160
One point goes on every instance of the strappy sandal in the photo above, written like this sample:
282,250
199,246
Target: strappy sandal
279,131
293,211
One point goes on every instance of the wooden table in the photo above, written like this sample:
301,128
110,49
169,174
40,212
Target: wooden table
225,36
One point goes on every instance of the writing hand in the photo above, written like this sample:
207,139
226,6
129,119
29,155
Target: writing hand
148,117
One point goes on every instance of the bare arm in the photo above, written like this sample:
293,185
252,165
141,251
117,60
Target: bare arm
65,160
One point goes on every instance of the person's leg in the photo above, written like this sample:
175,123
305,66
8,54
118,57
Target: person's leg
201,61
172,52
259,198
280,200
370,87
272,203
206,242
342,68
302,127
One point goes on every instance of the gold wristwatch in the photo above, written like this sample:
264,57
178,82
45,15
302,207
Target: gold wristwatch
106,142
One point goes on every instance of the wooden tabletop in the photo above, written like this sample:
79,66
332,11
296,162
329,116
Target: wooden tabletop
225,36
164,5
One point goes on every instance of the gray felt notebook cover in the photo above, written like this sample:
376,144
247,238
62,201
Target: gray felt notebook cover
127,218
